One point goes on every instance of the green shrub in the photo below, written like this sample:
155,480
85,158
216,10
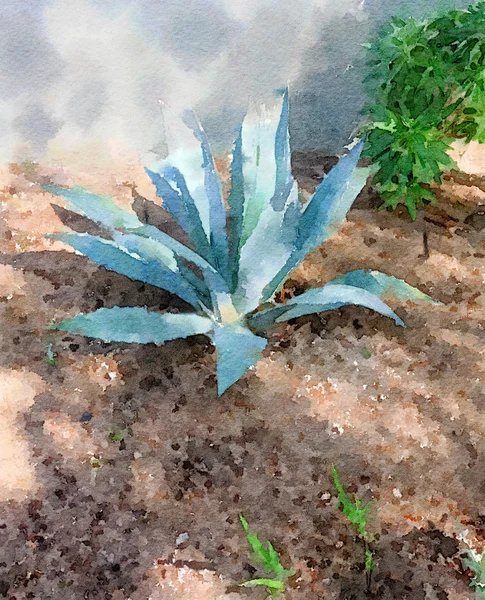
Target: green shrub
238,260
427,85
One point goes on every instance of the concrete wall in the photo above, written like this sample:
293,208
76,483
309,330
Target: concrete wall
79,74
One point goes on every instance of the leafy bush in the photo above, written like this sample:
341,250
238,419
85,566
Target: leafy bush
239,260
427,82
269,559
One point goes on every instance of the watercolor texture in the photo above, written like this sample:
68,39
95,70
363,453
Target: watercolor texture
242,299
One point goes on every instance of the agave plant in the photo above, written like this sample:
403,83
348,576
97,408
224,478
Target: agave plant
239,257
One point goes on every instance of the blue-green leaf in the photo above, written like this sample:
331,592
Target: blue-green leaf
324,213
147,249
100,209
180,204
105,212
151,250
331,297
283,177
236,201
182,152
261,183
132,324
237,349
266,252
387,287
214,280
259,130
117,258
262,320
217,212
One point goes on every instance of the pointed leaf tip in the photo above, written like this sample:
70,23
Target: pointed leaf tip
335,296
135,324
237,350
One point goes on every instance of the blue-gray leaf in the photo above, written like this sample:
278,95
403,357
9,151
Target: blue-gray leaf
266,251
259,130
100,209
180,204
237,349
324,213
236,201
151,250
108,254
217,211
387,287
132,324
212,277
331,297
283,177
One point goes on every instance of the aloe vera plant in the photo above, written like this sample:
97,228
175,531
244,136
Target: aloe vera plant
239,257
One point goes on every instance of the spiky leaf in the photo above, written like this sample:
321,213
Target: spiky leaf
133,324
237,349
283,178
100,209
212,186
324,213
180,204
258,133
150,250
327,298
387,287
271,242
114,257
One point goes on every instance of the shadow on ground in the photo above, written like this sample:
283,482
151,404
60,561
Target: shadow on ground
126,474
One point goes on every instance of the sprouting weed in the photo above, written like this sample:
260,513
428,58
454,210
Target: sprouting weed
369,561
51,357
356,513
352,509
117,435
476,564
269,560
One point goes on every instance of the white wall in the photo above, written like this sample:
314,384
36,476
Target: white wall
78,74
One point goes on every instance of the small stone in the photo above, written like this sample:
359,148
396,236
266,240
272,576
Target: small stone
476,220
182,538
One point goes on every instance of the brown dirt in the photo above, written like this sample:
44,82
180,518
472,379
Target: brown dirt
86,517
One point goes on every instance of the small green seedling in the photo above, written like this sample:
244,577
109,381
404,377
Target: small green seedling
269,559
476,564
51,357
356,513
118,435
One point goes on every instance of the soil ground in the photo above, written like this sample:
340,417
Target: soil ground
123,475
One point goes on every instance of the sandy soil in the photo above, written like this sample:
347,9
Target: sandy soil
400,412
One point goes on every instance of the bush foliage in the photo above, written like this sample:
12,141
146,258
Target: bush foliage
427,83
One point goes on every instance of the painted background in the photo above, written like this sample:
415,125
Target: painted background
81,75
